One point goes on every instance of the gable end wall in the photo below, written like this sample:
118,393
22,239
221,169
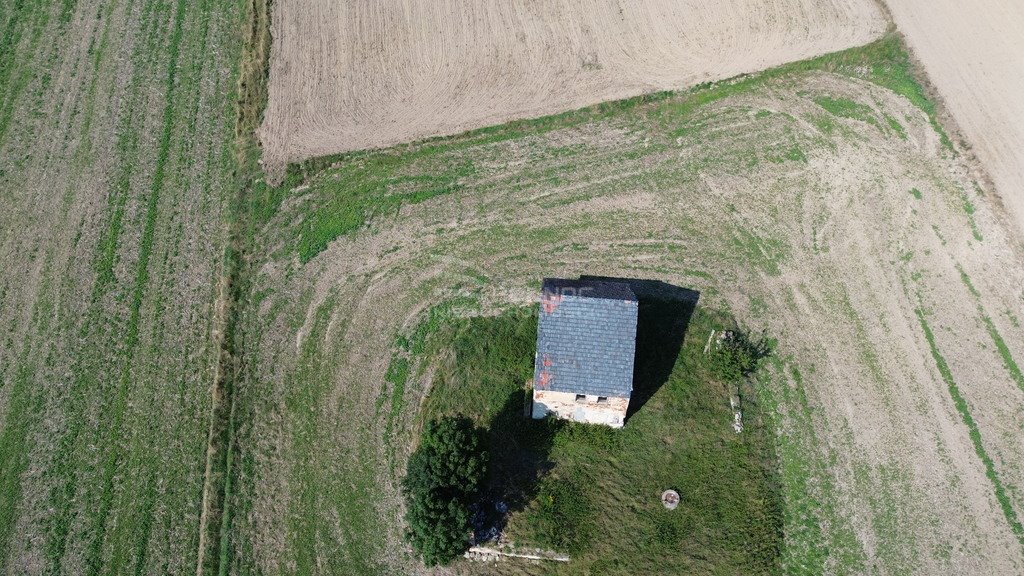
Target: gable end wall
564,405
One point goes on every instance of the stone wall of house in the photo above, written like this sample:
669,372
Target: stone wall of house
589,409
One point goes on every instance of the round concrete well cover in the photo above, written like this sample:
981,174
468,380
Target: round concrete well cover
670,498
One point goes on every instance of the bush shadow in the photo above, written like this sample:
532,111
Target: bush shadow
664,315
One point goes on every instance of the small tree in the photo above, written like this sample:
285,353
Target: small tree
737,356
443,477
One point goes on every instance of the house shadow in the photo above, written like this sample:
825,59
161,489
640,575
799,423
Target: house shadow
663,317
519,449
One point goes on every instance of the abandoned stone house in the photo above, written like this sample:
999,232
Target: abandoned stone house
586,341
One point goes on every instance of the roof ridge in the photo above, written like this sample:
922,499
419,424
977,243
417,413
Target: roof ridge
586,288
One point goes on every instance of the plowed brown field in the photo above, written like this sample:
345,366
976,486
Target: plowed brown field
353,75
974,53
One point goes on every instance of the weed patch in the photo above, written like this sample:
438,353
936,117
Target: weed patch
896,127
846,108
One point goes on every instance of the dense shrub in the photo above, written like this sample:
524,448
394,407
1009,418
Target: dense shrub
738,355
443,477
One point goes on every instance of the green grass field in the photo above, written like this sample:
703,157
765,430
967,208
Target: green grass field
594,492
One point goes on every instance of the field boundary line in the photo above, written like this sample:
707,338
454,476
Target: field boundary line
250,100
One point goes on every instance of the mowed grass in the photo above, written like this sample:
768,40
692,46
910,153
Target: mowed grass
484,228
598,494
347,191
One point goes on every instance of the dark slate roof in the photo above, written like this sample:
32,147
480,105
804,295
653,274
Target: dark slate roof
588,288
586,337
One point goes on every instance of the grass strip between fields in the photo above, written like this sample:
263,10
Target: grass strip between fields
216,545
370,183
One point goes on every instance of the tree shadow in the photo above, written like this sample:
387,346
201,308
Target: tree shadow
664,315
519,449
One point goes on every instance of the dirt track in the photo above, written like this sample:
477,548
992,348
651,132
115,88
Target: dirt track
353,75
974,53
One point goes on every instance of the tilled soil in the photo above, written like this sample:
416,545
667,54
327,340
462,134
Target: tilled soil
974,54
354,75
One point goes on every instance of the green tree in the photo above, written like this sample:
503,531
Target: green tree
443,477
737,356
